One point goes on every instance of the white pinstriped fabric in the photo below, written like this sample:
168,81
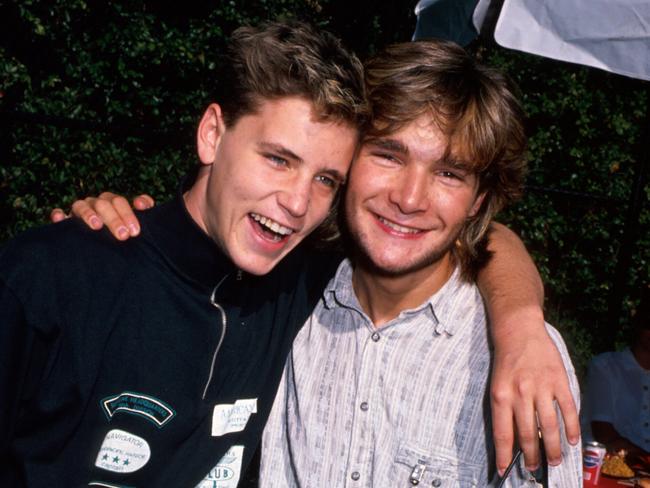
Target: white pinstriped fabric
392,406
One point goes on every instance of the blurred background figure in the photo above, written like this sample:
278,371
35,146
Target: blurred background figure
616,407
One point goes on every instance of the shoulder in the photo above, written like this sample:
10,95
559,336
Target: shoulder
611,360
56,254
68,241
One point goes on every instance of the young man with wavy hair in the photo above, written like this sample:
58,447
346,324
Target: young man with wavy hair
387,382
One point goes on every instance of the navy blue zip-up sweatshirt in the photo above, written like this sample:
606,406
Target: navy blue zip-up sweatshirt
109,369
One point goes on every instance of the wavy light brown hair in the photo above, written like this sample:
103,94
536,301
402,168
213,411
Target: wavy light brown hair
475,106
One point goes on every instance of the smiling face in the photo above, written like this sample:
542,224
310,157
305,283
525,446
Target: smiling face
269,180
408,199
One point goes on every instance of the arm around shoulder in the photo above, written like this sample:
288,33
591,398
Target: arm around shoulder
528,374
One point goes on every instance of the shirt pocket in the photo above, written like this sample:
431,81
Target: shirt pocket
437,468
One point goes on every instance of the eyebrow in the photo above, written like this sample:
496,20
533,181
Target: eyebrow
286,153
281,150
459,164
389,145
399,147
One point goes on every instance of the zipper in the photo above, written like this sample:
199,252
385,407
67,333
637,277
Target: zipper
224,323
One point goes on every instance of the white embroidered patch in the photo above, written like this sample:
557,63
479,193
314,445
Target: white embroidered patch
227,471
122,452
230,417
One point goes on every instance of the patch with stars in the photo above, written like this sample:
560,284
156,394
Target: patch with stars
146,406
122,452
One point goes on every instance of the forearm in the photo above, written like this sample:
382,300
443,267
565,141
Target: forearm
511,287
528,378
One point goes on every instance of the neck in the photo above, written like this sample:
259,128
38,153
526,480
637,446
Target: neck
384,296
195,197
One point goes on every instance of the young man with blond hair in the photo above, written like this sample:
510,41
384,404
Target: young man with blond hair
387,382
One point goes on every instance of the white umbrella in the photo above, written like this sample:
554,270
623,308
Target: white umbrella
613,35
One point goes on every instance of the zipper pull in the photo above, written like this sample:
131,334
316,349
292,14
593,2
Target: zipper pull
240,275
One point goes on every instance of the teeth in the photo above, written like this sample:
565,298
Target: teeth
272,225
398,228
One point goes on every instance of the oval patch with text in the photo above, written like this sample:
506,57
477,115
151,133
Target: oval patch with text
122,452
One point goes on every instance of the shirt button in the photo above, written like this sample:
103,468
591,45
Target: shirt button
436,482
376,337
364,406
645,407
645,387
355,476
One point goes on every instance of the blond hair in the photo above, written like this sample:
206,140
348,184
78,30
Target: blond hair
474,106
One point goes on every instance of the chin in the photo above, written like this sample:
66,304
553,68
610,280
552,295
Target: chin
396,266
258,269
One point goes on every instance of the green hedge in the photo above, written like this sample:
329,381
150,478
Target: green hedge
136,76
586,137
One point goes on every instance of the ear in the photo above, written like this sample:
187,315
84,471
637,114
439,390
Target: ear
477,204
209,133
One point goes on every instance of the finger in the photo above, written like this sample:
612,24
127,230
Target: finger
550,427
502,428
111,218
124,211
83,210
569,411
527,432
143,202
57,215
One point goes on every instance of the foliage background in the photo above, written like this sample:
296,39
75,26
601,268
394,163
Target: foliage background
105,95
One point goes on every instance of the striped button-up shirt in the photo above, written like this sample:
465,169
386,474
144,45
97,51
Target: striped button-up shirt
400,405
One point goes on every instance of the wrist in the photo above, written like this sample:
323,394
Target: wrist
515,327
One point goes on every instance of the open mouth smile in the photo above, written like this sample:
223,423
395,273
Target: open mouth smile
270,228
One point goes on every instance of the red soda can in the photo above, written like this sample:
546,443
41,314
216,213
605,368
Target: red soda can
593,454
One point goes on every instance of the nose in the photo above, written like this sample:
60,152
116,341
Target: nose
410,192
296,196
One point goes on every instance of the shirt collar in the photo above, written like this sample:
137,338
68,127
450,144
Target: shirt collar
171,229
443,307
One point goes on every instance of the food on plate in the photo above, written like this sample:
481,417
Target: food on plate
615,465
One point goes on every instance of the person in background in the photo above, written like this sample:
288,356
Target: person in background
617,396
